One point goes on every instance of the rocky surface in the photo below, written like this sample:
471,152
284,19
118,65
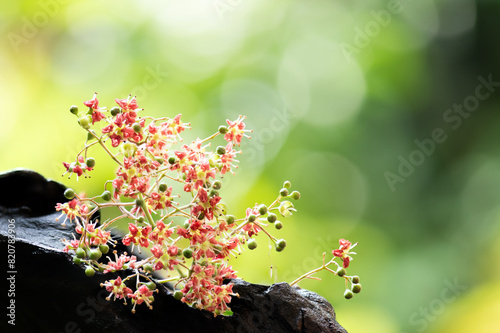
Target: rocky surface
52,294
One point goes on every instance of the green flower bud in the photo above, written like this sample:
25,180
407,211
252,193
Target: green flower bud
287,184
90,137
129,149
262,209
80,253
217,185
214,193
341,271
222,129
172,160
280,245
178,295
295,195
148,267
90,161
355,279
106,195
186,224
272,217
89,271
69,193
252,218
137,128
85,121
187,253
77,260
201,216
139,202
283,192
95,254
159,160
252,244
104,248
114,111
221,150
229,219
162,187
101,268
348,294
74,110
356,288
286,208
278,225
151,285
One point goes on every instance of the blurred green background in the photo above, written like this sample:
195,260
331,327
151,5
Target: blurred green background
337,93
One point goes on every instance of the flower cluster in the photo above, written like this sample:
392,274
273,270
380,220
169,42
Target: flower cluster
188,236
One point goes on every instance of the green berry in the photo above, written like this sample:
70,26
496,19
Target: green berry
104,248
278,225
178,295
252,218
221,150
348,294
114,111
106,195
172,160
186,224
214,193
80,253
272,217
356,288
283,192
341,271
252,244
151,285
262,209
141,219
280,245
74,110
77,260
69,193
162,187
222,129
89,271
139,202
217,185
201,216
136,127
287,184
90,162
355,279
229,219
148,267
85,122
295,195
187,253
95,254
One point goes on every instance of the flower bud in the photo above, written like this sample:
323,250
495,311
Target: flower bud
348,294
356,288
287,184
90,137
271,218
89,271
186,224
139,202
95,254
201,216
141,219
148,267
283,192
162,187
295,195
85,121
221,150
77,260
159,160
222,129
214,193
137,128
252,244
151,285
252,218
187,253
129,149
178,295
80,253
114,111
104,248
341,271
355,279
229,219
172,160
74,110
69,193
262,209
217,185
278,225
106,195
90,162
280,245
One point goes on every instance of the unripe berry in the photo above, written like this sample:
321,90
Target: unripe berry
85,122
295,195
252,244
80,253
74,110
287,184
341,271
230,219
283,192
139,202
278,225
355,279
69,193
187,253
214,193
90,162
162,187
114,111
89,271
221,150
262,209
151,285
356,288
136,127
252,218
201,216
104,248
272,217
95,254
106,195
178,295
172,160
222,129
141,219
348,294
77,260
280,245
217,185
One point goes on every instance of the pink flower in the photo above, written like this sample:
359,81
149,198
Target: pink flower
344,251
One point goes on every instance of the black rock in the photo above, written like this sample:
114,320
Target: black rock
52,294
